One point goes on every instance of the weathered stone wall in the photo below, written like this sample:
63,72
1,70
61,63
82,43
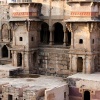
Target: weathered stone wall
20,37
53,61
58,93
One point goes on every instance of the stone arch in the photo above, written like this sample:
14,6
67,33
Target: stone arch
4,51
86,95
79,64
5,31
44,33
58,33
19,59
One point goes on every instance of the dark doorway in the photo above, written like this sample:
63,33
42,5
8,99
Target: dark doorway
19,59
79,64
10,97
86,95
69,38
44,33
58,33
4,52
34,58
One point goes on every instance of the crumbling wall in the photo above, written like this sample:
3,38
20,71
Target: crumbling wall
58,93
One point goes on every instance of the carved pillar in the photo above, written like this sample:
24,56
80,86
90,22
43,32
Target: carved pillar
70,68
12,58
69,26
84,64
8,53
9,37
72,40
51,37
14,38
15,58
65,38
88,64
74,63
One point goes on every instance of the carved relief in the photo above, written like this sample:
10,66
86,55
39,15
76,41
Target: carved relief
5,32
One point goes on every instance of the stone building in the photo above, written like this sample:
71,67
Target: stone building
35,37
52,37
43,38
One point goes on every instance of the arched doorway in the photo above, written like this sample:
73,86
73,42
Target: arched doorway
10,97
79,64
4,52
44,33
58,33
86,95
19,59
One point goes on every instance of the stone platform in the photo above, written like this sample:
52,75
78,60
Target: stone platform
9,70
40,88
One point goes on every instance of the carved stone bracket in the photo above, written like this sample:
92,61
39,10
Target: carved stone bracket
71,28
90,26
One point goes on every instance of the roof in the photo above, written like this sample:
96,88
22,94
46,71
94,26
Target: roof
41,82
14,3
83,20
24,19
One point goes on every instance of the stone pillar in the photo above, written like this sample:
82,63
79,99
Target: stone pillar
74,63
12,58
14,39
70,68
9,37
15,58
84,64
65,38
72,40
8,53
51,40
88,64
26,62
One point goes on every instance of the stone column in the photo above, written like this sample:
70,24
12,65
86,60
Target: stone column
8,53
65,38
14,39
84,64
74,63
72,40
12,58
27,62
51,40
9,38
88,65
70,67
15,58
